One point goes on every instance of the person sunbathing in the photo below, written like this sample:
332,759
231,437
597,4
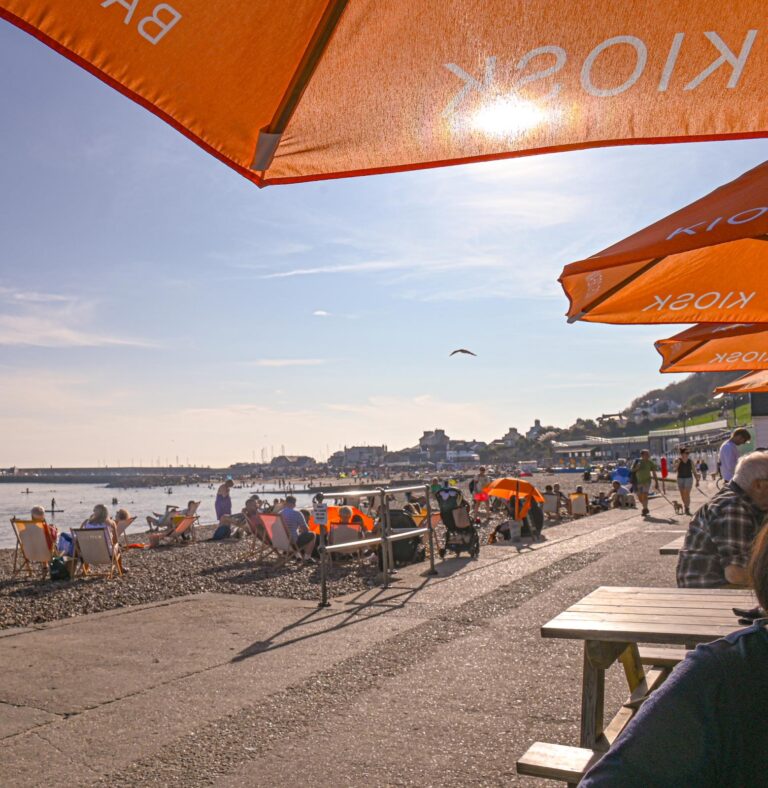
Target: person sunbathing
101,519
159,521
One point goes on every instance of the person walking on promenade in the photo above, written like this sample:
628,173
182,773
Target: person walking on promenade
703,469
686,473
480,482
223,499
642,471
729,453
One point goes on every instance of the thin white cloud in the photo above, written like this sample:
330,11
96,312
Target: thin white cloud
287,362
33,297
340,268
321,313
42,331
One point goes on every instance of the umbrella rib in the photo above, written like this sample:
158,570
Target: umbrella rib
693,348
611,291
269,137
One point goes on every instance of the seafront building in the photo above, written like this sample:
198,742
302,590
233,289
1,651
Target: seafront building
703,438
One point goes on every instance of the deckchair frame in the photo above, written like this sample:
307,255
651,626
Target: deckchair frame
26,562
112,549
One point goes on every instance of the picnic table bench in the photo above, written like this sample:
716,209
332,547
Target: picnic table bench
674,547
612,621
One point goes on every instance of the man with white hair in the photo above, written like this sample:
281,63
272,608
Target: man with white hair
728,455
717,545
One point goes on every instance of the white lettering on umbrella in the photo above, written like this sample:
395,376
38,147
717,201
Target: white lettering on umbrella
741,301
658,303
487,84
676,303
726,56
742,217
152,27
470,83
129,6
700,304
682,301
669,66
735,219
641,51
560,59
158,25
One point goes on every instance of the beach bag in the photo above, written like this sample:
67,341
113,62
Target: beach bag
222,532
633,473
58,568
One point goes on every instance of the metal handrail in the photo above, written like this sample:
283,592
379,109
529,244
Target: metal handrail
388,536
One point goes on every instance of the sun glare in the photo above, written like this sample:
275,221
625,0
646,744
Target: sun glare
508,116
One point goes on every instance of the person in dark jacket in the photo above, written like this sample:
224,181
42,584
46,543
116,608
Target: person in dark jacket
705,726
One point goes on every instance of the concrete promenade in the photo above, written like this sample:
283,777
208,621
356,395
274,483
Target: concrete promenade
437,681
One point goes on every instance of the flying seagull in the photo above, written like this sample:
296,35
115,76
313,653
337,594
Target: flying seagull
463,350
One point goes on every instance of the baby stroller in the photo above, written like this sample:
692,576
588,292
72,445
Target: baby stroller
460,533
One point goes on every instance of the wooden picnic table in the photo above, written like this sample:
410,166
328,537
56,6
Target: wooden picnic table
674,547
613,620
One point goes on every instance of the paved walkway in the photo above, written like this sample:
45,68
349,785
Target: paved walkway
436,681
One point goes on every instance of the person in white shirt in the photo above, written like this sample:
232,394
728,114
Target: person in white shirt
729,453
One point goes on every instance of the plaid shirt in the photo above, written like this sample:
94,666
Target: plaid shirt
719,535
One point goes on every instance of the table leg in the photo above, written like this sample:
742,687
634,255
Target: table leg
592,700
633,668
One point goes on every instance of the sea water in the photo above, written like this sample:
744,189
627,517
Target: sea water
77,501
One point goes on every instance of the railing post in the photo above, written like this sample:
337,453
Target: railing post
432,570
323,579
385,553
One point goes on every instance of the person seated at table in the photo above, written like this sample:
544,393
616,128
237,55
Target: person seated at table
618,495
716,547
705,726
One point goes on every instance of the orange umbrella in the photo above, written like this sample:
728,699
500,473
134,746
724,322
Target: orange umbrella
707,263
522,491
754,383
712,347
296,90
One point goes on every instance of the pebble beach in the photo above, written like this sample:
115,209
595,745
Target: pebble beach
155,575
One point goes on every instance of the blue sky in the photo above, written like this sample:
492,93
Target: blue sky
154,304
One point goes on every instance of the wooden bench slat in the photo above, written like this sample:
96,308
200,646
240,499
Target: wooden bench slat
663,657
557,761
